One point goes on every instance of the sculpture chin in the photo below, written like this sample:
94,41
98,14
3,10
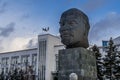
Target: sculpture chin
70,44
66,42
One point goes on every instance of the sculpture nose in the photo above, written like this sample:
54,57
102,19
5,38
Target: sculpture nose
64,29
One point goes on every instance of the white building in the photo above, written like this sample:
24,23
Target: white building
117,42
43,59
18,59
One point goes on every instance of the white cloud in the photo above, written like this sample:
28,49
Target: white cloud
18,43
25,16
105,28
32,43
7,30
1,47
92,5
2,6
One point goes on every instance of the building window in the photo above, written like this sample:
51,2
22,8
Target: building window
34,62
34,59
5,61
4,64
25,61
14,62
42,59
56,59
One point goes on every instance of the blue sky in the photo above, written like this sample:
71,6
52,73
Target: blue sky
22,20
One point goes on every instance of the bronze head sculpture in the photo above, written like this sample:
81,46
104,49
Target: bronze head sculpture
74,28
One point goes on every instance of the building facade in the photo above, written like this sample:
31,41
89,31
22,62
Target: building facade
43,59
18,60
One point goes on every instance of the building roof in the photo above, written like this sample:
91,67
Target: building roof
18,51
58,45
49,35
117,41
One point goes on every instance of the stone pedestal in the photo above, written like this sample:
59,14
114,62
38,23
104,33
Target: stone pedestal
79,61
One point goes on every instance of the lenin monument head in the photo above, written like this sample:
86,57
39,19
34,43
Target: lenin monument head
74,28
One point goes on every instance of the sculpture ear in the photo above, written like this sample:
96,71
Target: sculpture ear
85,30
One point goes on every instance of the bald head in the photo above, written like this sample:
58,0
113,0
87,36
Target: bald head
74,28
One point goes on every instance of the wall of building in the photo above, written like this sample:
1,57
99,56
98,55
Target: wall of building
43,58
50,62
18,59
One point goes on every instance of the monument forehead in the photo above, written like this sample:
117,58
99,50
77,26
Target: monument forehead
74,28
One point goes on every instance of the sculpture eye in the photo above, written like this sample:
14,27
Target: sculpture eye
61,23
72,22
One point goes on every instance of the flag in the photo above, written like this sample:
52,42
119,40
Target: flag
45,29
105,45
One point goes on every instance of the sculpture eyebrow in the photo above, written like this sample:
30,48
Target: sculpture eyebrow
69,21
60,22
72,21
